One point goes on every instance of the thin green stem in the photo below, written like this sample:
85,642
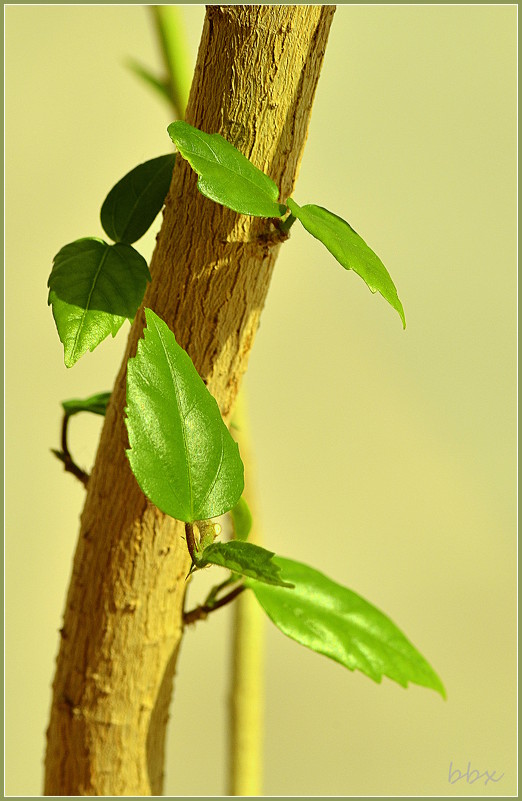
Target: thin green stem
201,612
286,224
214,592
168,21
246,693
246,699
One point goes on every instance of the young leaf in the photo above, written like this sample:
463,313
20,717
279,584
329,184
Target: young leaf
241,519
97,404
181,452
334,621
349,249
225,175
93,288
131,206
246,559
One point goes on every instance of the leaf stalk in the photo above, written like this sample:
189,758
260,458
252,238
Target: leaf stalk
65,456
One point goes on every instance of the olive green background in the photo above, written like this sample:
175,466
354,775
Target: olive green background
384,458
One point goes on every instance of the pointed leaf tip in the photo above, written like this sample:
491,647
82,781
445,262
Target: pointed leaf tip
350,250
332,620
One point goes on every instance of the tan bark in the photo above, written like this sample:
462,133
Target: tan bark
254,83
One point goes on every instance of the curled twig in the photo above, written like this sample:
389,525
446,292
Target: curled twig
65,456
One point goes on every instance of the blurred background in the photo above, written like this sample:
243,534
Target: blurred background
384,458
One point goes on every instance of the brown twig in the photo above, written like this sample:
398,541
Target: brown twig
65,456
201,612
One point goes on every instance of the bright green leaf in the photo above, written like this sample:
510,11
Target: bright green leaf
245,559
349,249
225,175
133,203
97,404
241,519
182,454
93,288
332,620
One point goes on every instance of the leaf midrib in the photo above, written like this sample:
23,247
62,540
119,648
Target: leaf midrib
216,475
176,392
377,277
86,309
227,168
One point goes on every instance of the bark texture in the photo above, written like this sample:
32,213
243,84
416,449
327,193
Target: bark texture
254,82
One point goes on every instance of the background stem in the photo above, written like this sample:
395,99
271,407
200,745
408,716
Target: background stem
246,694
246,698
170,30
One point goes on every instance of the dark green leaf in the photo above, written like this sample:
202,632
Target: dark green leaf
332,620
97,404
242,520
182,454
225,175
349,249
131,206
246,559
93,288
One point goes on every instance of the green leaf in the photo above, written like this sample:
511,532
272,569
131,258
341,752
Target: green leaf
133,203
225,175
97,404
349,249
93,288
182,454
334,621
246,559
241,519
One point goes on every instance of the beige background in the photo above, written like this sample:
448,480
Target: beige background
386,459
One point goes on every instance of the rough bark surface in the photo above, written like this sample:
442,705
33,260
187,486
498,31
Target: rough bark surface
255,78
